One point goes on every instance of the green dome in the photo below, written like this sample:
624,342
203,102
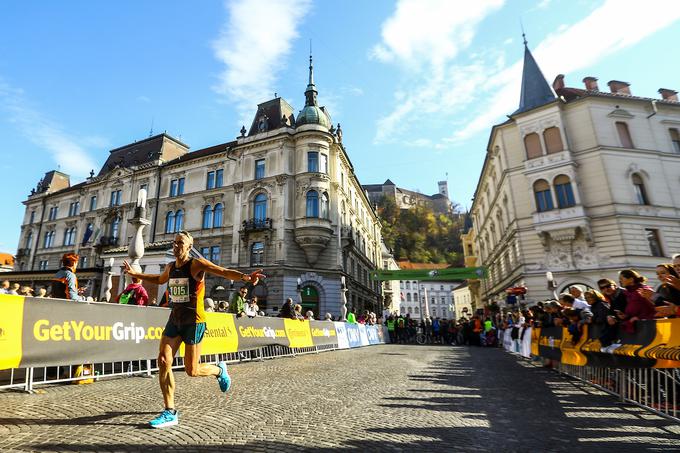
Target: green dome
313,114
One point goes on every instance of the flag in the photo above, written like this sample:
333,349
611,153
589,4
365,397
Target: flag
88,234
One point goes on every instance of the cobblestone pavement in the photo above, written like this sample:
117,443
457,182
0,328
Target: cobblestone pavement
380,398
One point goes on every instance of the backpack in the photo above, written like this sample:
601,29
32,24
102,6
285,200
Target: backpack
127,297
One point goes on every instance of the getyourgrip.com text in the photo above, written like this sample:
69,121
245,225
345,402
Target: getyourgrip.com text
43,330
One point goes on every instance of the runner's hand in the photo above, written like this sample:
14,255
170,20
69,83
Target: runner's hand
128,269
255,277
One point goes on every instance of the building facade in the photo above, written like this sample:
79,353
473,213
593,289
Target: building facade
282,197
579,182
408,199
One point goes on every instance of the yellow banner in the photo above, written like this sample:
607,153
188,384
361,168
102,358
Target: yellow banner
220,335
11,329
298,333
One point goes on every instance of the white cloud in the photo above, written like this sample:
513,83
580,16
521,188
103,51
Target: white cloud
605,31
252,45
67,151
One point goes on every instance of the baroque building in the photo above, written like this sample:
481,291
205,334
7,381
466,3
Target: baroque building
282,197
579,182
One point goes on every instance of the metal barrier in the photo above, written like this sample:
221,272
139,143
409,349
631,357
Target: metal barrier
27,378
651,388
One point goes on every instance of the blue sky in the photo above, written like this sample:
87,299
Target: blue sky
416,84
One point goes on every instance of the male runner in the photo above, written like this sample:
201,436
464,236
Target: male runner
186,287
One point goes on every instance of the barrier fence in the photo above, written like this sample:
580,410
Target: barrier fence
44,341
642,367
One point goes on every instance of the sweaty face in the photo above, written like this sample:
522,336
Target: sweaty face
181,246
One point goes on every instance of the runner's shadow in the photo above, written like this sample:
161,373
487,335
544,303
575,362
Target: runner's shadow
105,419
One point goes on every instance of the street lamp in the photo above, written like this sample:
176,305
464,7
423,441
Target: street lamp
299,289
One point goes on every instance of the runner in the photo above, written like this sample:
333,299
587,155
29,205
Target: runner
185,277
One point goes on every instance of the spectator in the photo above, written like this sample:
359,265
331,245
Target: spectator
42,292
328,317
351,318
65,282
309,315
26,291
14,289
298,312
579,302
667,295
4,289
637,307
134,294
237,305
287,310
252,308
614,295
209,304
600,310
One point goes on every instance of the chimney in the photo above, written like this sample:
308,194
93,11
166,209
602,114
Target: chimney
591,83
558,83
616,86
668,94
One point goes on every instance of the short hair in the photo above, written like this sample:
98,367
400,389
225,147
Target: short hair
567,297
69,259
635,275
187,235
605,282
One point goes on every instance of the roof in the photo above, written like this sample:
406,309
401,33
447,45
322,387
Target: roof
271,115
215,149
137,153
6,259
461,286
535,89
408,265
571,94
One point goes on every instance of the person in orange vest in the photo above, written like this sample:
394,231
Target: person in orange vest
476,330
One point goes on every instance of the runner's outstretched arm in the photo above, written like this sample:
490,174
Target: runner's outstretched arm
158,279
204,265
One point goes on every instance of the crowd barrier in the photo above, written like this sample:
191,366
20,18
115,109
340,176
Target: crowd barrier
43,340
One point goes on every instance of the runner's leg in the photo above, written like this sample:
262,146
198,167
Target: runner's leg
192,353
168,348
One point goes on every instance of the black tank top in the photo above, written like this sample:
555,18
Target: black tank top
186,294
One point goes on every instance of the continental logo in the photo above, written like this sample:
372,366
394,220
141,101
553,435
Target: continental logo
664,352
220,332
327,333
80,331
264,332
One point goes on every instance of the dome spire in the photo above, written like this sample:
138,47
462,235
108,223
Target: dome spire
310,92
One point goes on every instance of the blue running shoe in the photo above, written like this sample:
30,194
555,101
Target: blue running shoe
224,379
165,419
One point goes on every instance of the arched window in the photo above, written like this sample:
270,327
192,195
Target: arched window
260,207
179,220
409,309
257,254
624,134
553,140
543,196
324,206
408,297
532,143
564,192
416,310
640,191
115,228
169,222
217,215
312,203
29,240
207,217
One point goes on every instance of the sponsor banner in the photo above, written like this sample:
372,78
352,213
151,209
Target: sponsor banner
341,331
11,331
383,334
258,332
372,334
323,333
298,332
449,274
353,335
655,343
362,335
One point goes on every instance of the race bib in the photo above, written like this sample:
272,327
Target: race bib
179,290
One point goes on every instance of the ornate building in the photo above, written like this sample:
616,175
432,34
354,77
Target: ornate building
407,199
582,183
283,197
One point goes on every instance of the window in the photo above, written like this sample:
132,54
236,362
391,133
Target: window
324,205
115,198
176,187
564,192
43,265
217,215
675,139
401,309
83,262
532,144
53,213
443,300
624,134
408,297
409,310
441,287
29,240
639,187
553,140
313,161
169,222
210,183
207,217
48,240
260,207
69,236
179,220
93,202
115,228
144,187
32,218
257,254
73,208
214,254
416,310
259,169
219,178
654,242
408,285
205,251
312,204
323,163
543,196
214,179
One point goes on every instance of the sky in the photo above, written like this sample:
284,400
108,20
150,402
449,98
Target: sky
415,84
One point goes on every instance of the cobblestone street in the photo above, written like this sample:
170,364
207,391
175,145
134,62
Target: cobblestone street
381,398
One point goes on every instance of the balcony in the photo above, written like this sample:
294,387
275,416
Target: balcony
562,225
548,161
23,252
253,225
312,234
107,241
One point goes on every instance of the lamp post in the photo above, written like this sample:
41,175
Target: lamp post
343,307
299,289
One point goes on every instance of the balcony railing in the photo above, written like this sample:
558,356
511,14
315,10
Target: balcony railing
108,241
252,225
